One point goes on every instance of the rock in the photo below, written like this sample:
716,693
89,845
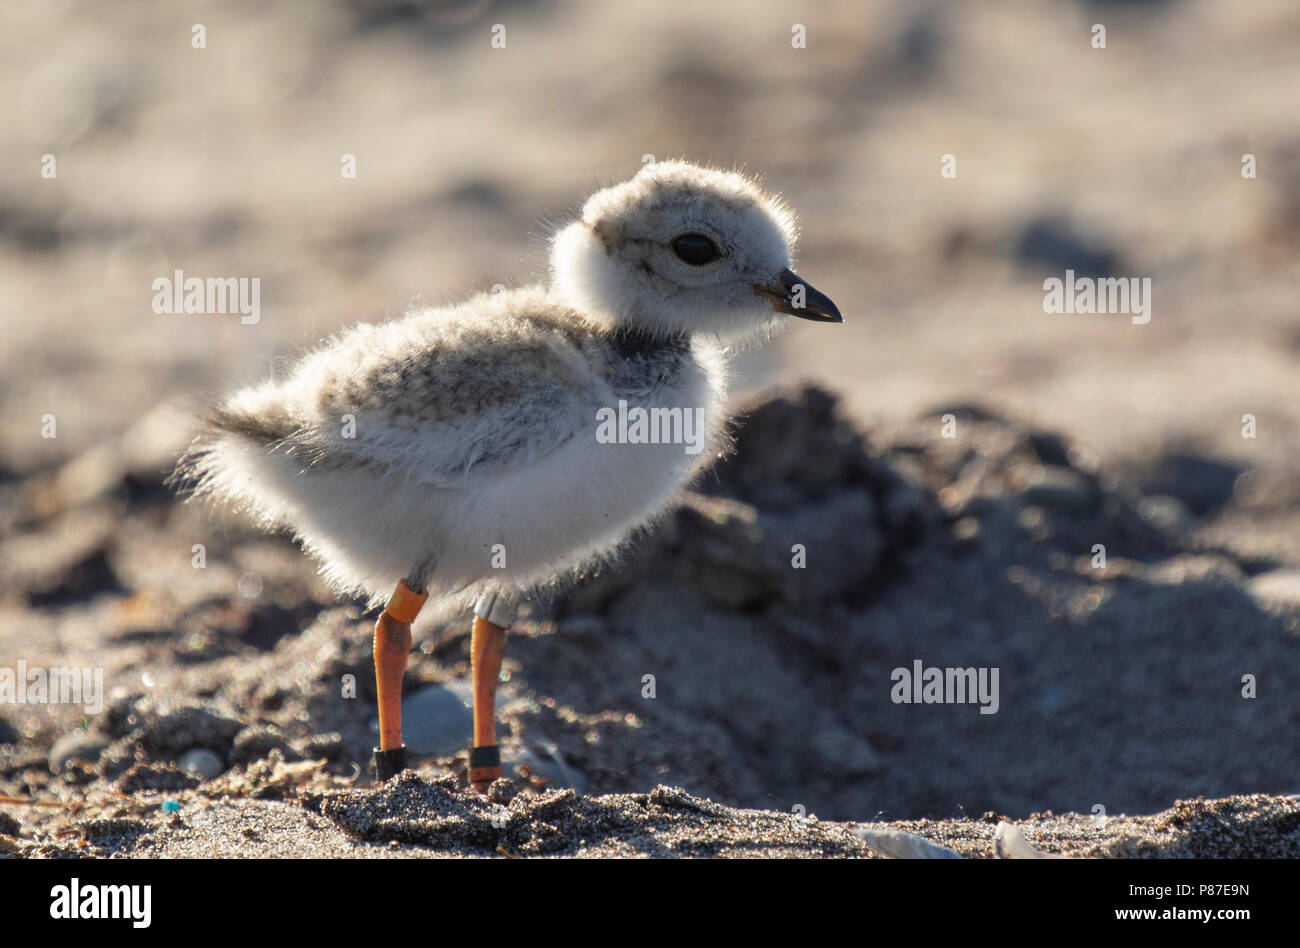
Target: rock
202,763
78,745
438,720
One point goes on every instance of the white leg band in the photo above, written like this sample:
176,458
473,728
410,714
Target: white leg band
495,608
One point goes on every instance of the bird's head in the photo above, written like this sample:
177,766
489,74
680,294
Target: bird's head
681,249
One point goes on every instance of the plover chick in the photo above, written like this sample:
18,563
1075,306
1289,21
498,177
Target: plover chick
500,443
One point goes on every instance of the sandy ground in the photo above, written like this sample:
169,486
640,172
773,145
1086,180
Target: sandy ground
1121,685
296,811
770,688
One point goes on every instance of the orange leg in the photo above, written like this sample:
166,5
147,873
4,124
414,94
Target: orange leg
487,648
392,646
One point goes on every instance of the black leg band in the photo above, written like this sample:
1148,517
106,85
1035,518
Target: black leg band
484,757
389,763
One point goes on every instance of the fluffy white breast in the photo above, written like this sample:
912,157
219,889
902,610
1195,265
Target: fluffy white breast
581,502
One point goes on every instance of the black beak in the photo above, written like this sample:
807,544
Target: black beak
786,298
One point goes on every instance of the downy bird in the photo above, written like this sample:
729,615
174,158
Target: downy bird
499,443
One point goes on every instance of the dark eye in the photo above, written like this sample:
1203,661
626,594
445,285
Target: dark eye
696,249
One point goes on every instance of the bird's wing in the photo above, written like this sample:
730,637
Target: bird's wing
471,403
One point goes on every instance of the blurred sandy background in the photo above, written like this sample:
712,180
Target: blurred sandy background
225,161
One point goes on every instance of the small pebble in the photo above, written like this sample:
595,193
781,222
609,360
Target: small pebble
77,745
202,763
894,844
438,720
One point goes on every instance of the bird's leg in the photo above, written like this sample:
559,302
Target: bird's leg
392,646
486,649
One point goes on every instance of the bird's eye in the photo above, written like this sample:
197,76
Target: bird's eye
696,249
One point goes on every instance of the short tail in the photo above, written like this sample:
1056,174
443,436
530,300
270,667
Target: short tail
196,471
265,428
